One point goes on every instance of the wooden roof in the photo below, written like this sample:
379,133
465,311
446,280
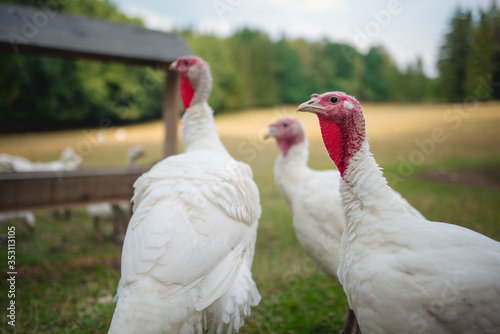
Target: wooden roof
26,29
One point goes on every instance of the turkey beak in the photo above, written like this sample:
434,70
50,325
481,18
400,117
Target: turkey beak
311,106
173,66
270,133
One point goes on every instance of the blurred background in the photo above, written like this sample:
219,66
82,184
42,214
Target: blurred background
266,53
426,72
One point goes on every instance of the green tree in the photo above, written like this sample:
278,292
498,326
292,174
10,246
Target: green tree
494,14
289,74
312,78
453,57
253,55
379,70
47,92
336,68
415,85
227,90
480,60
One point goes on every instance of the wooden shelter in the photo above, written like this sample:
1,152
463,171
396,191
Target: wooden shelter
46,31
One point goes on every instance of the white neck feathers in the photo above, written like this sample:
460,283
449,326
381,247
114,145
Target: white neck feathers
202,86
295,159
198,129
364,190
289,170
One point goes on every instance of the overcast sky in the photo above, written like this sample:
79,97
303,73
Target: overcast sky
407,28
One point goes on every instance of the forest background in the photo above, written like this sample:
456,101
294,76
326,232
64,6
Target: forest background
249,70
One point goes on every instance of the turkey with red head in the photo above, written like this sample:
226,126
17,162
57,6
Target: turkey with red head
313,197
402,273
189,246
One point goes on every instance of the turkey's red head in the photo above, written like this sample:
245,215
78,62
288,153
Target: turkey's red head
342,125
288,132
195,80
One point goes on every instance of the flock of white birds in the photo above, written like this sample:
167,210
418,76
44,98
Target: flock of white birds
69,160
189,246
188,251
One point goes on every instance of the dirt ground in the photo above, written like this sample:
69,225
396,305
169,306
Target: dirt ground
486,178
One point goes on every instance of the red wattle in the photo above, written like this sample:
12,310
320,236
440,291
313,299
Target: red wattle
187,91
284,145
334,143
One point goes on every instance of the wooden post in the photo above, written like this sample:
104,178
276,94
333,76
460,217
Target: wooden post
171,112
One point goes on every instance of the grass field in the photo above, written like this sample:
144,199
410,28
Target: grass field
445,159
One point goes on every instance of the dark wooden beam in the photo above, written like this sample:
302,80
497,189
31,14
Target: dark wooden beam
44,30
40,190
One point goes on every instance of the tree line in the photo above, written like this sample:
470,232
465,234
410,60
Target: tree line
469,58
41,92
249,70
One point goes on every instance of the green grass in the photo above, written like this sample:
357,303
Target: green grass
66,280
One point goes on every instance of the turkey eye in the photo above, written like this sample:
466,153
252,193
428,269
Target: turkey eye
334,100
285,125
186,62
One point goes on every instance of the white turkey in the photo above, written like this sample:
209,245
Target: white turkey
313,197
133,155
26,217
68,160
189,246
114,212
402,273
12,163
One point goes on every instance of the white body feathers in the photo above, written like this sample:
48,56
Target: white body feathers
313,196
314,200
404,274
189,246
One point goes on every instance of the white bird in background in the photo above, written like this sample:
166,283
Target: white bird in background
26,217
69,160
189,246
313,197
402,273
11,163
114,212
133,155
